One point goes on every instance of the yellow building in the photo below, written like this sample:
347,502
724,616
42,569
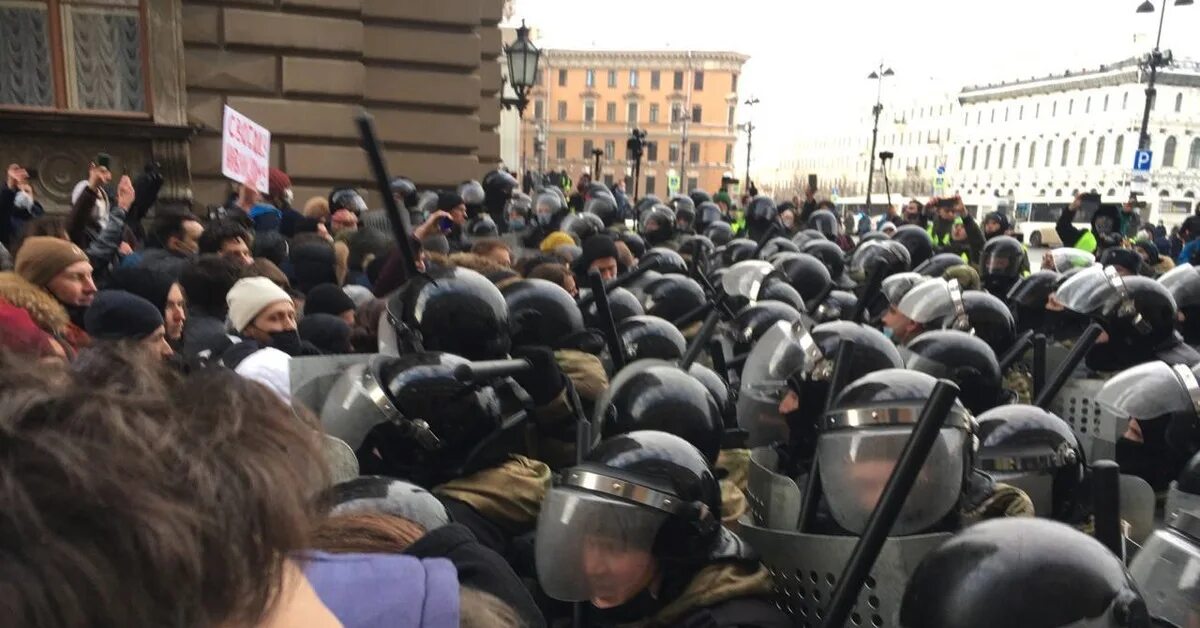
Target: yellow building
588,100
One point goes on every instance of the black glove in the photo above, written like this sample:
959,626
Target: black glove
146,187
545,381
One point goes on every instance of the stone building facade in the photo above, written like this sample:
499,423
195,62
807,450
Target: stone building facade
146,80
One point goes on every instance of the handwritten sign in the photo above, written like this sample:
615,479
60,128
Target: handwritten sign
245,150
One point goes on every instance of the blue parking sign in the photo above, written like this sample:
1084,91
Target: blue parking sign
1141,161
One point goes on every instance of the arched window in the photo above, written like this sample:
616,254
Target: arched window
1000,158
1065,152
975,158
1169,153
1194,154
1100,151
1118,149
1032,153
987,158
1082,150
1049,152
1016,156
1178,103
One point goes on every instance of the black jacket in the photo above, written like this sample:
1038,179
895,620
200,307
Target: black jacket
479,568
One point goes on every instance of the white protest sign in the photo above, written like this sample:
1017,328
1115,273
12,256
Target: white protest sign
245,150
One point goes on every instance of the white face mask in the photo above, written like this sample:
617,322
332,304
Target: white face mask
288,195
23,201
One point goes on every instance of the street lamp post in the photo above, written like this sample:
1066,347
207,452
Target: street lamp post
1156,60
522,58
878,76
749,128
597,153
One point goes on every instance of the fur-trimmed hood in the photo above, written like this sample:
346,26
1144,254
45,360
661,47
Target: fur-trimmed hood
43,308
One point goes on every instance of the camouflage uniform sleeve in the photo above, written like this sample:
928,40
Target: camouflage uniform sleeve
1006,501
1021,383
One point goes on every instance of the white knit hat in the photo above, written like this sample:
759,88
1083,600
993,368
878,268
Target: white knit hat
250,296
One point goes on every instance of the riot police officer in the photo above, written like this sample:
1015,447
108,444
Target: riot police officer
1002,263
1028,297
832,257
658,225
963,359
1165,568
473,197
917,241
1183,282
1160,402
761,214
685,213
498,189
651,337
807,275
549,211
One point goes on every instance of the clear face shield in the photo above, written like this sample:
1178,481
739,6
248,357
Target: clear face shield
1167,572
355,405
1099,291
936,299
1151,390
595,538
895,287
746,278
1064,259
858,455
779,354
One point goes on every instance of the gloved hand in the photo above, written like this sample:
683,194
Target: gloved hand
545,381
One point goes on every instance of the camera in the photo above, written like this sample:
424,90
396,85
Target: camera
886,155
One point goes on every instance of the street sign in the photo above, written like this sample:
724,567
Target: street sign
245,150
1141,161
672,183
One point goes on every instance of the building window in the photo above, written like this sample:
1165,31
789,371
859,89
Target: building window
1125,101
992,118
655,81
589,111
729,151
1087,108
1071,107
1082,151
732,114
962,157
987,157
966,118
1100,152
588,146
698,80
1194,154
1006,114
610,147
562,110
1000,158
673,153
1032,153
694,152
1178,103
653,113
693,183
1168,160
1065,152
1037,110
612,78
975,158
1054,109
610,112
1118,149
589,78
651,151
678,81
560,148
538,77
696,114
676,112
650,184
608,180
539,109
733,82
632,113
1021,113
633,79
1106,102
979,116
1049,152
1016,156
99,66
562,78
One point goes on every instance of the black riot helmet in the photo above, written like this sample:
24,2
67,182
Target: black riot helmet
1027,572
916,240
719,232
642,492
454,310
654,395
347,198
990,319
405,190
755,320
707,213
937,265
650,337
673,296
482,227
412,417
805,236
737,250
776,288
962,359
582,225
760,215
621,302
669,262
862,434
889,257
473,197
777,245
824,222
1027,299
378,494
1036,451
657,224
541,312
699,196
498,188
645,203
1137,312
1001,264
935,304
1183,282
1164,400
719,389
636,244
807,275
685,212
831,255
696,247
604,206
838,306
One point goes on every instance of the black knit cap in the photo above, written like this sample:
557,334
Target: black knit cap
328,333
595,247
327,298
120,315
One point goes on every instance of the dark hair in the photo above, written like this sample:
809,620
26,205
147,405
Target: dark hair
552,273
486,246
168,224
263,267
206,280
826,204
270,245
220,231
54,226
365,533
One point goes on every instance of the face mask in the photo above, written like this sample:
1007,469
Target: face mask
542,219
23,202
288,195
286,341
889,333
516,224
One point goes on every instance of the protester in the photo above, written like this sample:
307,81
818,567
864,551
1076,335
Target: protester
229,240
62,271
206,282
161,290
119,316
328,298
599,253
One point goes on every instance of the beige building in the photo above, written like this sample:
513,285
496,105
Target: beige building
146,80
591,100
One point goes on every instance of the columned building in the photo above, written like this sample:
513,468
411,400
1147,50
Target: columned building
586,101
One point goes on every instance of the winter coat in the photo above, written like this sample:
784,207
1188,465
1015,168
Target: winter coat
723,596
46,311
479,568
386,590
508,496
203,335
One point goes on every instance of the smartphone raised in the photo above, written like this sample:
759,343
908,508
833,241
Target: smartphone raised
445,224
947,203
1089,203
812,182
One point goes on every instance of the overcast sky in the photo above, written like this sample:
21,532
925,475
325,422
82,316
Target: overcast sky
809,60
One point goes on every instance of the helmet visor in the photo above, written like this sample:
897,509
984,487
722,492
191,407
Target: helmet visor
592,547
745,278
895,287
856,465
1000,263
1147,391
1066,258
1090,291
862,259
776,356
1184,283
1167,572
928,301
